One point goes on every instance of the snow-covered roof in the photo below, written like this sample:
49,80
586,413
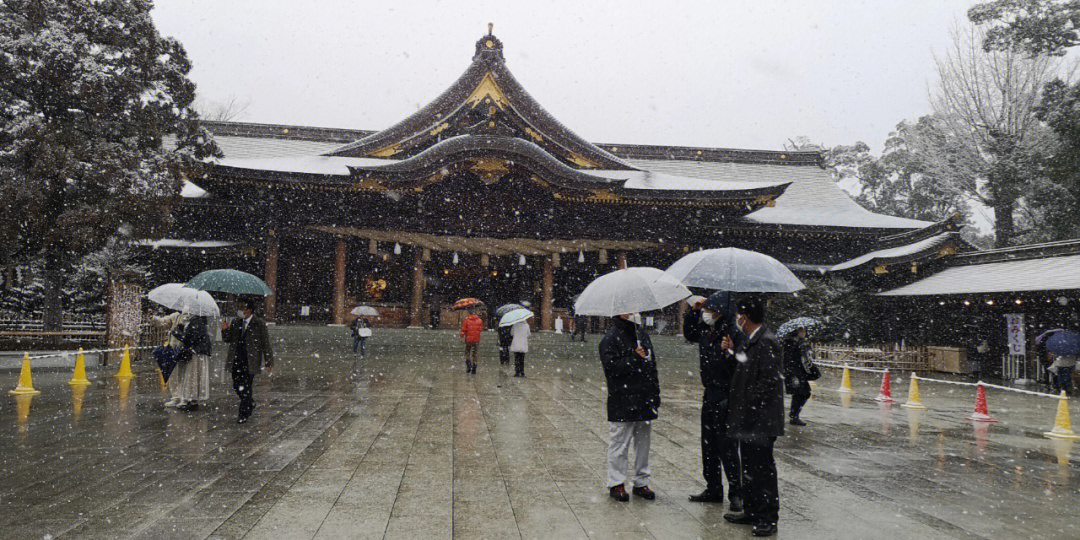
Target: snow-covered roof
1044,274
897,252
178,243
812,199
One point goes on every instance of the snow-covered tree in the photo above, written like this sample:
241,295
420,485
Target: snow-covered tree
88,92
987,141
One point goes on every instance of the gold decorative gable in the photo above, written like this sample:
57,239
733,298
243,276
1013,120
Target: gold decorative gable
488,89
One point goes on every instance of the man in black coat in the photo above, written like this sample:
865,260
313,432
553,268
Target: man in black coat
626,353
796,375
506,337
249,352
706,324
756,416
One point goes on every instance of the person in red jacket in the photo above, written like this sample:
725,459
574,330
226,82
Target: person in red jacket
471,328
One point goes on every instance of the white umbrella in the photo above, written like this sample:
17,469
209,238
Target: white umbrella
630,290
185,299
736,270
694,299
365,311
515,316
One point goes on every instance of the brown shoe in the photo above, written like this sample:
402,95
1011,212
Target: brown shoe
644,492
619,493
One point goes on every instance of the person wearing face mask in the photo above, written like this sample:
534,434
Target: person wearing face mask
194,377
626,353
249,352
710,320
756,415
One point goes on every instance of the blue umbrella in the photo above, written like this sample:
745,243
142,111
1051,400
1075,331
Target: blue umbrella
1065,343
788,328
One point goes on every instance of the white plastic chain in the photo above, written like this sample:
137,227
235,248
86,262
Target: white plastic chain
91,351
957,383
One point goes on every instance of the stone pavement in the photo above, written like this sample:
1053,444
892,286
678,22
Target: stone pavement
405,445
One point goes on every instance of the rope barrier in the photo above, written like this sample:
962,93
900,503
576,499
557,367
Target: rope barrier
942,381
853,368
91,351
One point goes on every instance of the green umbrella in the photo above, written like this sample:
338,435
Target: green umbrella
230,281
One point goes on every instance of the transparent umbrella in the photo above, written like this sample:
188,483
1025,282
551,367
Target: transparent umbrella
513,317
185,299
630,290
736,270
365,311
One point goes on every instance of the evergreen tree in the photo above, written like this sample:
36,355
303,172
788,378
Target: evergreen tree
88,92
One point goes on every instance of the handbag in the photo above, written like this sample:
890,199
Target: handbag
364,332
813,373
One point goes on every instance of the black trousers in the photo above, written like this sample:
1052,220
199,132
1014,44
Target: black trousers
504,355
719,453
799,398
762,495
519,363
242,380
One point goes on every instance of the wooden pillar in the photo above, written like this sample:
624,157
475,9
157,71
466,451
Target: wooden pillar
270,276
545,298
620,260
416,307
679,314
339,282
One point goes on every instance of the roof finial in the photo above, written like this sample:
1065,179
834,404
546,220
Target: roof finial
490,26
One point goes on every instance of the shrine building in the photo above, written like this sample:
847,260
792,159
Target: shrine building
482,193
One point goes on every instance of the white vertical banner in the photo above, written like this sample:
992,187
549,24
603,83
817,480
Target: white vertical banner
1014,327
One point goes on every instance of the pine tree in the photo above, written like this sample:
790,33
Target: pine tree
88,92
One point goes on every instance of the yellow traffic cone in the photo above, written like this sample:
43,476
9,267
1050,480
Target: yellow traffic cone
78,393
1062,423
125,365
79,377
161,380
913,400
26,381
22,410
845,382
125,385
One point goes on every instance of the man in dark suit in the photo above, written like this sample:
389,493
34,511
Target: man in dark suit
756,415
249,351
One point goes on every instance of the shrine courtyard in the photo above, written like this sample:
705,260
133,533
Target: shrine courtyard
404,444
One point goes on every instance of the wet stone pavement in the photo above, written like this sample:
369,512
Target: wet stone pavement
404,445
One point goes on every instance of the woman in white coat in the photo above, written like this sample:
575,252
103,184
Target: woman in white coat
519,346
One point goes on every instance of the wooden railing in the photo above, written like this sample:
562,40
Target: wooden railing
880,357
89,329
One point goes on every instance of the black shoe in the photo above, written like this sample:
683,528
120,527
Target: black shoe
735,504
796,422
619,494
764,529
739,518
189,406
644,492
242,420
707,497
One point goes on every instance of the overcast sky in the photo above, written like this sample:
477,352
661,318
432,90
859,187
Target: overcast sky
708,73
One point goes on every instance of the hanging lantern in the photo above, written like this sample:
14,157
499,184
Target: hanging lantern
521,260
581,256
397,248
372,247
555,260
455,258
425,255
484,259
603,256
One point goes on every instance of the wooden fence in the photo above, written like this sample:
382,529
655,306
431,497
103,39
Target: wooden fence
881,357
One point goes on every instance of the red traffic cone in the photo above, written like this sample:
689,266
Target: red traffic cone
885,394
981,413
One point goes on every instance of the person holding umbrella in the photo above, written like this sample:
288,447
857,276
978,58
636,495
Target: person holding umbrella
471,330
756,416
249,352
629,362
707,323
520,345
799,368
194,378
